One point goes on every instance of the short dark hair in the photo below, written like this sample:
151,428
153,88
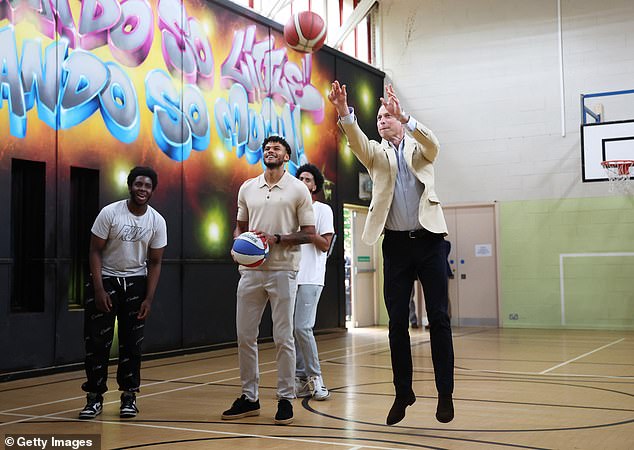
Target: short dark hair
276,138
315,172
140,171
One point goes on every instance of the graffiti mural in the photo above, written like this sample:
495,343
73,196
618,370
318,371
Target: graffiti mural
188,87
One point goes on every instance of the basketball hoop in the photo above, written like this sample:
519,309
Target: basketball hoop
618,172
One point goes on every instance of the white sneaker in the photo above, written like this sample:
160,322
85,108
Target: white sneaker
303,387
319,390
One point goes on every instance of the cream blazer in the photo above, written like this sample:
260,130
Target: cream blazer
420,151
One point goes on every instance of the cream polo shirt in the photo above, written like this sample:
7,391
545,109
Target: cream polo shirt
279,209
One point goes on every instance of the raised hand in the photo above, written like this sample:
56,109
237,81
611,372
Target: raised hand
392,104
339,98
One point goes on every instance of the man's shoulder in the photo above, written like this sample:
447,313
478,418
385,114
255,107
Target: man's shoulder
251,182
294,183
157,215
324,208
114,207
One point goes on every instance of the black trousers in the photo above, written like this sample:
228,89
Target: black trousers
407,256
126,294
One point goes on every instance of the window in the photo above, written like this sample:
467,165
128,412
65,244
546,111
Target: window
84,207
358,43
28,195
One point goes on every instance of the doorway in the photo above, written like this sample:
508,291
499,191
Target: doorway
473,289
360,270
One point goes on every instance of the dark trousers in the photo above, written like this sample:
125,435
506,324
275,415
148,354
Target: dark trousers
407,256
126,294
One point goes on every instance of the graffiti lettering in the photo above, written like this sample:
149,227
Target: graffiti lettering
131,38
255,67
176,132
128,28
119,105
244,129
87,84
186,49
11,84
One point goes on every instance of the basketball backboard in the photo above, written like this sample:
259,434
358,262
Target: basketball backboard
605,141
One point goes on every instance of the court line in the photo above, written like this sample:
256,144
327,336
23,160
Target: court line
8,411
216,372
54,415
507,372
562,294
216,432
581,356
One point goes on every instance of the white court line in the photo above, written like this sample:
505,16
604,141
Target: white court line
561,273
225,433
511,372
27,417
180,388
187,378
581,356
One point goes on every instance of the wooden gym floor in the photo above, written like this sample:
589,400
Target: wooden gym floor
515,388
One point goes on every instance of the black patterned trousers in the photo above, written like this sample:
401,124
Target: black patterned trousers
126,294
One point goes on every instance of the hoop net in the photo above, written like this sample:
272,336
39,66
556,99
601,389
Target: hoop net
618,173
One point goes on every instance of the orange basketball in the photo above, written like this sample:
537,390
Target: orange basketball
305,32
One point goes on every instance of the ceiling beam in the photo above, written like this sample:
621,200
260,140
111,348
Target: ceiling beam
359,13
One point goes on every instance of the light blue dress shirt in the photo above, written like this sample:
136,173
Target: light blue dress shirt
403,214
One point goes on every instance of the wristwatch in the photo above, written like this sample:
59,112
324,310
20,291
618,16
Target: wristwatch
278,238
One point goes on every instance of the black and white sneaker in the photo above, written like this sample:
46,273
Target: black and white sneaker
128,406
303,387
94,406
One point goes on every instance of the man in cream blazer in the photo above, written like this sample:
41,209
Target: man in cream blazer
405,208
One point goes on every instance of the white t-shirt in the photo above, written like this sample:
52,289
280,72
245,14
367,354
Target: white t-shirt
312,266
128,238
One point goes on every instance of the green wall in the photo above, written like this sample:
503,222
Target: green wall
598,289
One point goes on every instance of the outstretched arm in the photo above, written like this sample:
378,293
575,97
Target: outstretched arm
357,140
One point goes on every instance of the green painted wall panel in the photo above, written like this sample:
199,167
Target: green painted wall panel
598,290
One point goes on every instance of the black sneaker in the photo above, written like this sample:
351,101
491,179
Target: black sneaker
94,405
284,414
128,406
242,407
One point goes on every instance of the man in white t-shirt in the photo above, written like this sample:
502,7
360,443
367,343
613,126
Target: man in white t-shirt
277,207
310,282
126,250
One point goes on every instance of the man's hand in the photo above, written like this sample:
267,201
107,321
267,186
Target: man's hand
102,301
339,98
269,238
393,105
144,310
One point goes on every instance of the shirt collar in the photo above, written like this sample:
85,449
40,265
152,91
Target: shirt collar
280,184
388,144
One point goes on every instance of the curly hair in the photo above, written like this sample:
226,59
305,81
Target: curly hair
140,171
315,172
279,139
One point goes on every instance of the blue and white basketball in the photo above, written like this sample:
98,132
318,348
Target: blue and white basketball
249,250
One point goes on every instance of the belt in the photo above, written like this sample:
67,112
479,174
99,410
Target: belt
411,234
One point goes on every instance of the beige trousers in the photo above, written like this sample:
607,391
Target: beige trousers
255,289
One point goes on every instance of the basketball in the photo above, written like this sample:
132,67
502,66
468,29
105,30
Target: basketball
249,250
305,32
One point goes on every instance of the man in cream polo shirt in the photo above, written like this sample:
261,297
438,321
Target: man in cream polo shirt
278,207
